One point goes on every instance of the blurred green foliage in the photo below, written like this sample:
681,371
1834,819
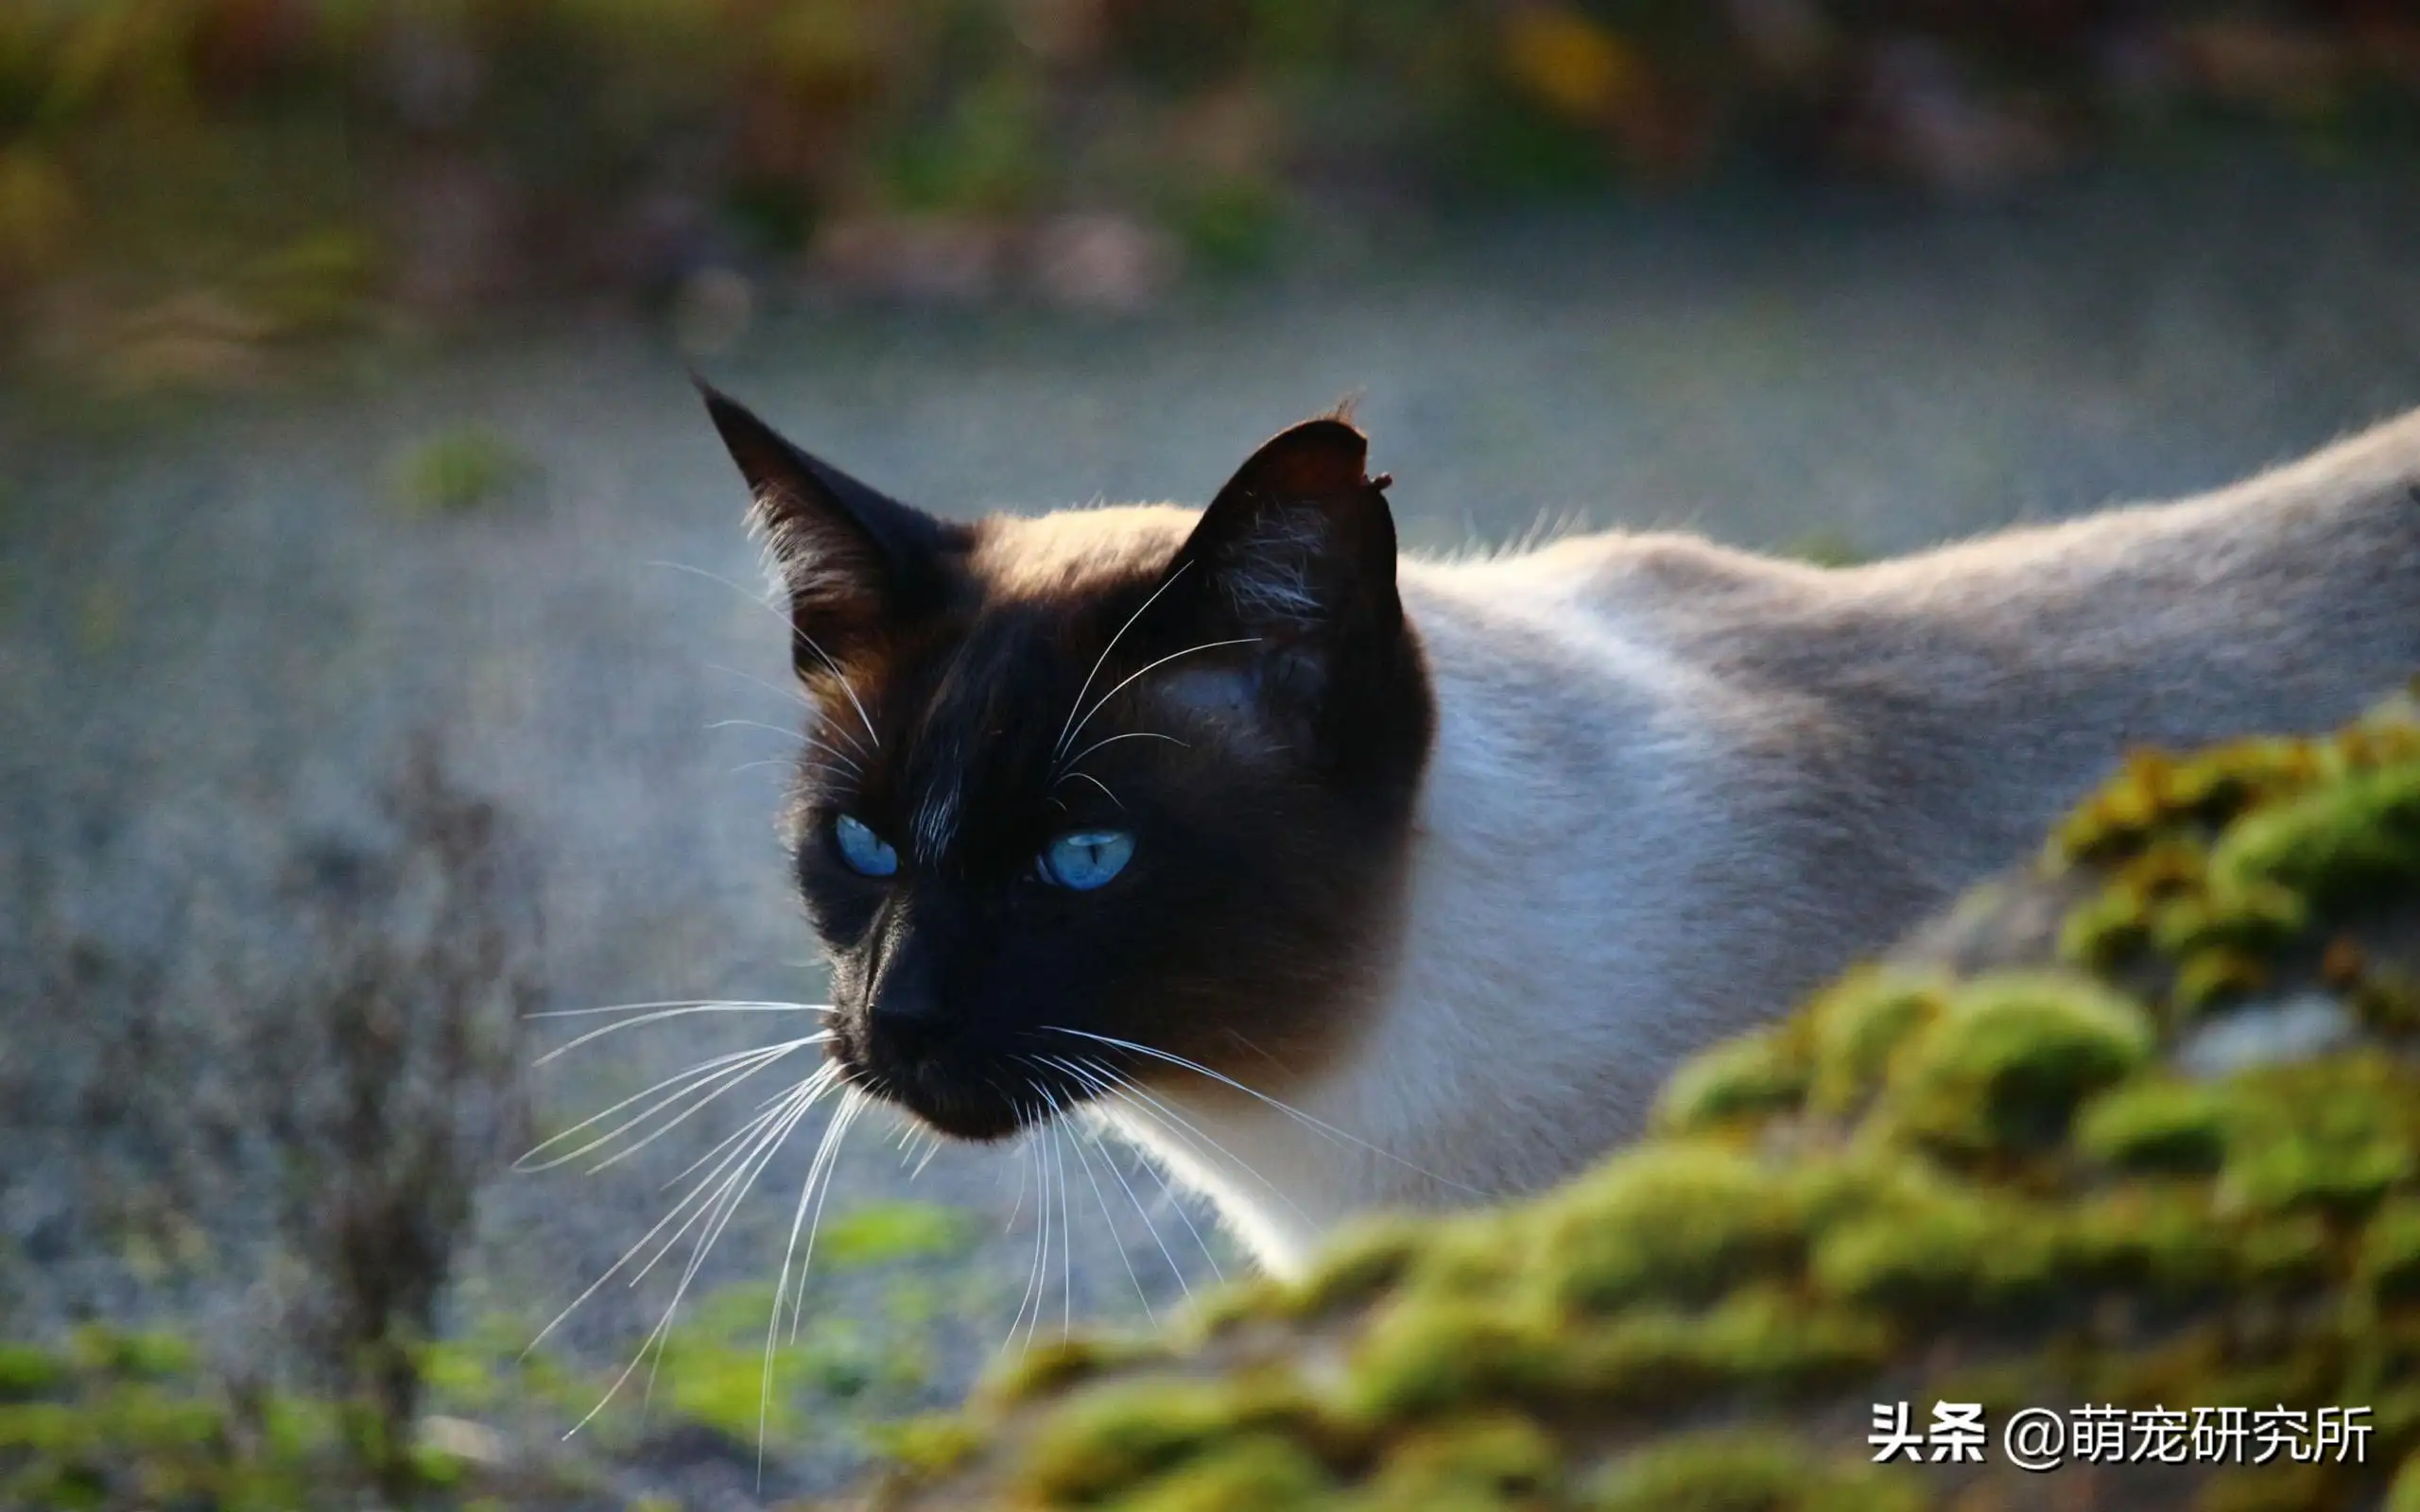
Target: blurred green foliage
116,1418
1824,546
111,1417
264,165
459,469
881,1234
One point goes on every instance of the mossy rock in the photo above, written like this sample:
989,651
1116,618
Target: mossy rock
2135,1127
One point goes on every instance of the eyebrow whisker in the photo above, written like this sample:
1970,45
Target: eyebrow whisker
1066,732
1152,666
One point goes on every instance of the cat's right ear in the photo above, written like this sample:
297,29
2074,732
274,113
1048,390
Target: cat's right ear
856,563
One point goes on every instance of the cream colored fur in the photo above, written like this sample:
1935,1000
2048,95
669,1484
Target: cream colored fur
1674,786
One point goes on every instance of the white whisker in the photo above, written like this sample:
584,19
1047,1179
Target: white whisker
703,1005
822,1078
1070,765
732,1192
752,724
685,1114
773,1125
1148,667
796,635
714,1184
1108,1219
681,1012
1035,1279
732,1069
792,695
1066,732
1096,782
825,746
1066,1236
808,704
1102,1084
853,1103
1187,1133
1288,1110
826,1153
762,601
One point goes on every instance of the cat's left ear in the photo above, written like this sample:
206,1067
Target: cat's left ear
856,563
1299,548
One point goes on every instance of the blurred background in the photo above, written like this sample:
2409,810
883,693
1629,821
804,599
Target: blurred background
382,665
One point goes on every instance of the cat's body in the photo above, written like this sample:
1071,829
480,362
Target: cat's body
1656,790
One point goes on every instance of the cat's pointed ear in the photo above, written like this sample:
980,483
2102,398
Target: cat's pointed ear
855,562
1299,547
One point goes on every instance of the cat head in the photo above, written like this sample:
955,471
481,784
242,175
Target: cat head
1093,793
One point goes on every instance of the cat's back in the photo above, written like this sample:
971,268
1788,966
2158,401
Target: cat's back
1668,609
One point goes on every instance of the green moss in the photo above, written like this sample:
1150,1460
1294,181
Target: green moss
1103,1441
2283,1253
2153,1242
1734,1471
1489,1460
1765,1344
2011,1056
1860,1024
2353,842
1251,1472
1236,1302
2217,975
2155,795
1746,1078
2252,922
2272,1487
1767,1340
2390,1264
2385,998
1055,1364
1685,1222
1953,1256
1482,1254
2157,1124
2404,1496
1364,1261
1422,1356
2332,1136
2105,928
928,1443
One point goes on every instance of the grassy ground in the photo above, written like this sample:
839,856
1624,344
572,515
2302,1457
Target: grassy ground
220,619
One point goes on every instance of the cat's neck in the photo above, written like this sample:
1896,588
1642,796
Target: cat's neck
1561,792
1673,786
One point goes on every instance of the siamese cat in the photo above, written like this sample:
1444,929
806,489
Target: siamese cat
1342,880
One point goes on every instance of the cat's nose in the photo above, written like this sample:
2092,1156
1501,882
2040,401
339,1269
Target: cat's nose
909,1025
907,1018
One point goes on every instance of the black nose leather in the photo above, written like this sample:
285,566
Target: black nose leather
907,1019
909,1028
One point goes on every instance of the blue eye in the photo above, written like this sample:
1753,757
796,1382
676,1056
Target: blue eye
867,853
1085,859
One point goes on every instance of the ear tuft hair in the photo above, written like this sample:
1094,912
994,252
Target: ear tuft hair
1300,540
854,562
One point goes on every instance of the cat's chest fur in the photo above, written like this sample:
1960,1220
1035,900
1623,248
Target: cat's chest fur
1674,787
